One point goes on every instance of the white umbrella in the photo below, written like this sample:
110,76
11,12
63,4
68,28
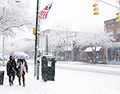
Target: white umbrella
19,55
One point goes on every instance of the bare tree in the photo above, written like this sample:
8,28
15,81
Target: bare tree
61,29
94,38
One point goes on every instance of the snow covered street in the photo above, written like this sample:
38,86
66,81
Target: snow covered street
70,78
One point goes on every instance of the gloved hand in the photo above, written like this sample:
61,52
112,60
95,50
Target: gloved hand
8,74
27,71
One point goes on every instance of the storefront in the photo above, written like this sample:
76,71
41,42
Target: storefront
114,55
99,54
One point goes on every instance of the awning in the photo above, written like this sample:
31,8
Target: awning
89,49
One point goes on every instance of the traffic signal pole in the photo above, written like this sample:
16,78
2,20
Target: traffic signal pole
36,37
96,8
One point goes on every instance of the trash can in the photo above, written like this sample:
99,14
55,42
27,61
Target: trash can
48,68
1,77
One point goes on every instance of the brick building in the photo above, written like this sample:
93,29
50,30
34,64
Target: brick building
110,54
84,53
114,27
113,52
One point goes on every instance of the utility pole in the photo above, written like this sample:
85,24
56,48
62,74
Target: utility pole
3,48
36,37
46,44
67,44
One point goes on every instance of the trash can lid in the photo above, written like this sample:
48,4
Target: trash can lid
49,56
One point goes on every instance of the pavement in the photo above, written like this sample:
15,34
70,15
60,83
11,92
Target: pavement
68,81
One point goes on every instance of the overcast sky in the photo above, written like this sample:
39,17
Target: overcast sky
78,13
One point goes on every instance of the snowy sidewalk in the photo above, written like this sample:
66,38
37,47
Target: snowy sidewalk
33,86
67,81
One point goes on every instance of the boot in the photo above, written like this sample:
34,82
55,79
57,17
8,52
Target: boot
23,84
19,83
10,83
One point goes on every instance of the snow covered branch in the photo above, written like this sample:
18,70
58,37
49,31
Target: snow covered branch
14,15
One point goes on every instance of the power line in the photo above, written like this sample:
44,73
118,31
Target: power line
115,2
108,4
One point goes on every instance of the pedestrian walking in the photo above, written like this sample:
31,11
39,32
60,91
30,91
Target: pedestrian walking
11,69
22,68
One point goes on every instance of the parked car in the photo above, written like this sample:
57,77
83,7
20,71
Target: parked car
1,57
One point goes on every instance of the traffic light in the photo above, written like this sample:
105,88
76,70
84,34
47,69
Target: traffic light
34,31
118,17
96,9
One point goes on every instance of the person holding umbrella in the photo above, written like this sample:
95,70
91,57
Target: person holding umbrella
22,68
11,69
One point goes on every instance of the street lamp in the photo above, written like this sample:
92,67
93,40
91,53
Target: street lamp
66,54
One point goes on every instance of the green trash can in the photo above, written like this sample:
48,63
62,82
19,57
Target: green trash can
48,68
1,77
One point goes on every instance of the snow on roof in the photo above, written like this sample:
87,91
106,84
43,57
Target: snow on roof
89,49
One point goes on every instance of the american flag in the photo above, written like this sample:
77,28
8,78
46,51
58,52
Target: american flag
64,43
45,11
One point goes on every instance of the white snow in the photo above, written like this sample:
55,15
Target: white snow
70,78
89,49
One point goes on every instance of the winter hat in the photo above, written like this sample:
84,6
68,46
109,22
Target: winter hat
10,57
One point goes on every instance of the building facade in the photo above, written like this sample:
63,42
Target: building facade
57,43
113,51
84,53
109,54
43,42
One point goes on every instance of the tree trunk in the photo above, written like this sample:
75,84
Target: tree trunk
104,55
94,55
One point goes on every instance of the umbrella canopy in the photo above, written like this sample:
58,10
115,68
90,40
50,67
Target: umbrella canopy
19,55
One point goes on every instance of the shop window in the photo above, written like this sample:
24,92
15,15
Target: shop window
109,54
90,56
117,54
117,34
114,54
99,56
111,32
84,56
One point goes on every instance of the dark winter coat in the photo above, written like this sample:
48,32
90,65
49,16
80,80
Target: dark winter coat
19,68
11,68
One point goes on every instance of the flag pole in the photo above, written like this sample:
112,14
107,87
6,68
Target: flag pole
39,15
